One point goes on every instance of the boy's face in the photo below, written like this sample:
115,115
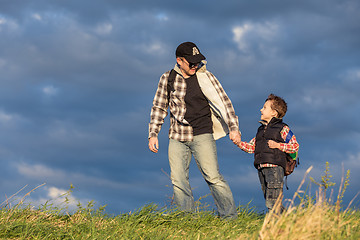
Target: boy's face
267,113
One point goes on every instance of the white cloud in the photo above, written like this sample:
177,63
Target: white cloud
37,16
104,29
250,34
162,17
44,173
5,117
352,76
38,171
8,24
157,48
239,35
9,119
54,192
56,197
50,90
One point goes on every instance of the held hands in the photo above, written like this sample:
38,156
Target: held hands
154,144
235,137
273,144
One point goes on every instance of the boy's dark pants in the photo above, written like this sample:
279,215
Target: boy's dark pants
272,181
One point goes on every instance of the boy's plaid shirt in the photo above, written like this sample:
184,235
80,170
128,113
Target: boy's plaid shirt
179,128
291,147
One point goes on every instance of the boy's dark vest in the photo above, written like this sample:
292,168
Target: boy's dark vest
264,154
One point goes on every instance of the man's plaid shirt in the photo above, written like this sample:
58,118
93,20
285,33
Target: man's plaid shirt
291,147
179,128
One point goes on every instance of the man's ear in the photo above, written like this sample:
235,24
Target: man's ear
178,60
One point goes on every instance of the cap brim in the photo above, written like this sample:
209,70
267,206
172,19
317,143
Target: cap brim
194,58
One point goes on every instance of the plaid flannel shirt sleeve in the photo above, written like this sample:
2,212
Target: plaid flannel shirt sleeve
159,108
233,122
292,146
248,147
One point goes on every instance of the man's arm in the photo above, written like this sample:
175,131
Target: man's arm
158,113
232,119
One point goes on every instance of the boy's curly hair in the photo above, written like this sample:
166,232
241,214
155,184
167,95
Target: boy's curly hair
278,104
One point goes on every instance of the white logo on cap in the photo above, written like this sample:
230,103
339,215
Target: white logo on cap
195,51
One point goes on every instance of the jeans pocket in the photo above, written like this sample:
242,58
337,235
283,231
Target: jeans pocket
275,177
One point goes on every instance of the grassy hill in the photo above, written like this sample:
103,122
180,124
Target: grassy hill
312,218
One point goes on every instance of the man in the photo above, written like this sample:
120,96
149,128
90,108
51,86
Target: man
200,113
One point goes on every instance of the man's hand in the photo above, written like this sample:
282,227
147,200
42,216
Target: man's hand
235,137
273,144
154,144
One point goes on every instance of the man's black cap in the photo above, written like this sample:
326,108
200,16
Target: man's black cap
190,52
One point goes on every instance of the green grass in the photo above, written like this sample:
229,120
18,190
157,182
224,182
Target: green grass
313,218
149,222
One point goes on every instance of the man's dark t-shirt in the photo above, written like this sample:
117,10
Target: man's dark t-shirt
198,112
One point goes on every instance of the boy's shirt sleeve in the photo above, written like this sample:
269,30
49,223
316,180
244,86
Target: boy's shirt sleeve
248,147
291,145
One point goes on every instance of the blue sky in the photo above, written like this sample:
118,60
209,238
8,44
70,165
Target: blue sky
78,79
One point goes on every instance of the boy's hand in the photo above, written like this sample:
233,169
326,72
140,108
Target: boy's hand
273,144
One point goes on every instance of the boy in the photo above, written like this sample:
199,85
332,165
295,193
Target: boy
270,148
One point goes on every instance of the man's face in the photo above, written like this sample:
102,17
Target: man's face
186,68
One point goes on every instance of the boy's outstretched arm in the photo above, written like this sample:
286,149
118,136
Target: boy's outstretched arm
247,147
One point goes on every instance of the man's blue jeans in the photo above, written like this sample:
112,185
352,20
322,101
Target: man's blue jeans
203,148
